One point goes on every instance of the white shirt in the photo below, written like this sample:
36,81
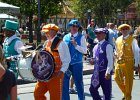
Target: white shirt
109,55
135,49
83,47
64,55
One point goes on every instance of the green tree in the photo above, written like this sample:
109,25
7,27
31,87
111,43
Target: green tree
137,3
30,8
101,8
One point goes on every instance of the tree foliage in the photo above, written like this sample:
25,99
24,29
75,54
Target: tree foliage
30,8
137,3
47,7
101,8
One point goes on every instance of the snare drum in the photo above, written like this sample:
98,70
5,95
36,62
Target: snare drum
37,68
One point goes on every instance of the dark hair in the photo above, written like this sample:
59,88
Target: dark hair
80,29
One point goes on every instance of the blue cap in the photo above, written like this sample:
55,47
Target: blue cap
74,22
103,30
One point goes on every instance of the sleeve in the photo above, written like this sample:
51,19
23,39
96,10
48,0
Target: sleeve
93,52
14,80
135,49
83,47
64,56
109,54
18,45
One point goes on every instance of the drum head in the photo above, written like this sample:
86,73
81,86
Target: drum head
43,68
24,69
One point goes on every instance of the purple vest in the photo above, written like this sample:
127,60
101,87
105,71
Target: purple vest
101,59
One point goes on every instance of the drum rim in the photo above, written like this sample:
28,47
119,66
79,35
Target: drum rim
46,80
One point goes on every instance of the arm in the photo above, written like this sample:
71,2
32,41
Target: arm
13,90
135,50
18,45
2,71
109,55
13,93
64,56
83,47
92,59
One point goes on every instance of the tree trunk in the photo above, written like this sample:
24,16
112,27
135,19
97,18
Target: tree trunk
30,29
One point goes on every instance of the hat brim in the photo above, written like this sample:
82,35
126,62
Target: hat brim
124,26
45,31
100,32
4,28
135,35
69,25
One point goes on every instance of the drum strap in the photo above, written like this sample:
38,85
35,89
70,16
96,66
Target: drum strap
55,43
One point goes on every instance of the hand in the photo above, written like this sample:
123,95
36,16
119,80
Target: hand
107,76
91,61
74,42
38,57
88,45
8,59
59,74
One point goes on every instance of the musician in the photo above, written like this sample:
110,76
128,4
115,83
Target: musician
11,44
103,65
77,46
60,52
127,53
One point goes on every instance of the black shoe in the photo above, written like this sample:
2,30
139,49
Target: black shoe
123,98
72,91
136,72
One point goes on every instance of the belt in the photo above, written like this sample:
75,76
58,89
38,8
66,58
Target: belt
121,61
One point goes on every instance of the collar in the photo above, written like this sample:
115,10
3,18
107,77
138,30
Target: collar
74,34
126,37
101,42
9,40
53,38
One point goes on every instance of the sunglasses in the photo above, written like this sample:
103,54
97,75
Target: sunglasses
75,26
98,33
124,28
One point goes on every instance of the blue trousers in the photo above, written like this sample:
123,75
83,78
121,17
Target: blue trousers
77,74
106,86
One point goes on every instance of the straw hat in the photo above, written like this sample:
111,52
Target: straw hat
124,26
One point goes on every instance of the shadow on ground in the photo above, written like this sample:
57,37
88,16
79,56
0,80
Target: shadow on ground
21,81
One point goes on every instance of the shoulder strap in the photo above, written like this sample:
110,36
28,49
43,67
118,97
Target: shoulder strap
55,43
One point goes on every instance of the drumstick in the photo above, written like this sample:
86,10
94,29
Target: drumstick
37,57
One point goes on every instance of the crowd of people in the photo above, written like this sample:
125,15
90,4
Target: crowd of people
112,50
